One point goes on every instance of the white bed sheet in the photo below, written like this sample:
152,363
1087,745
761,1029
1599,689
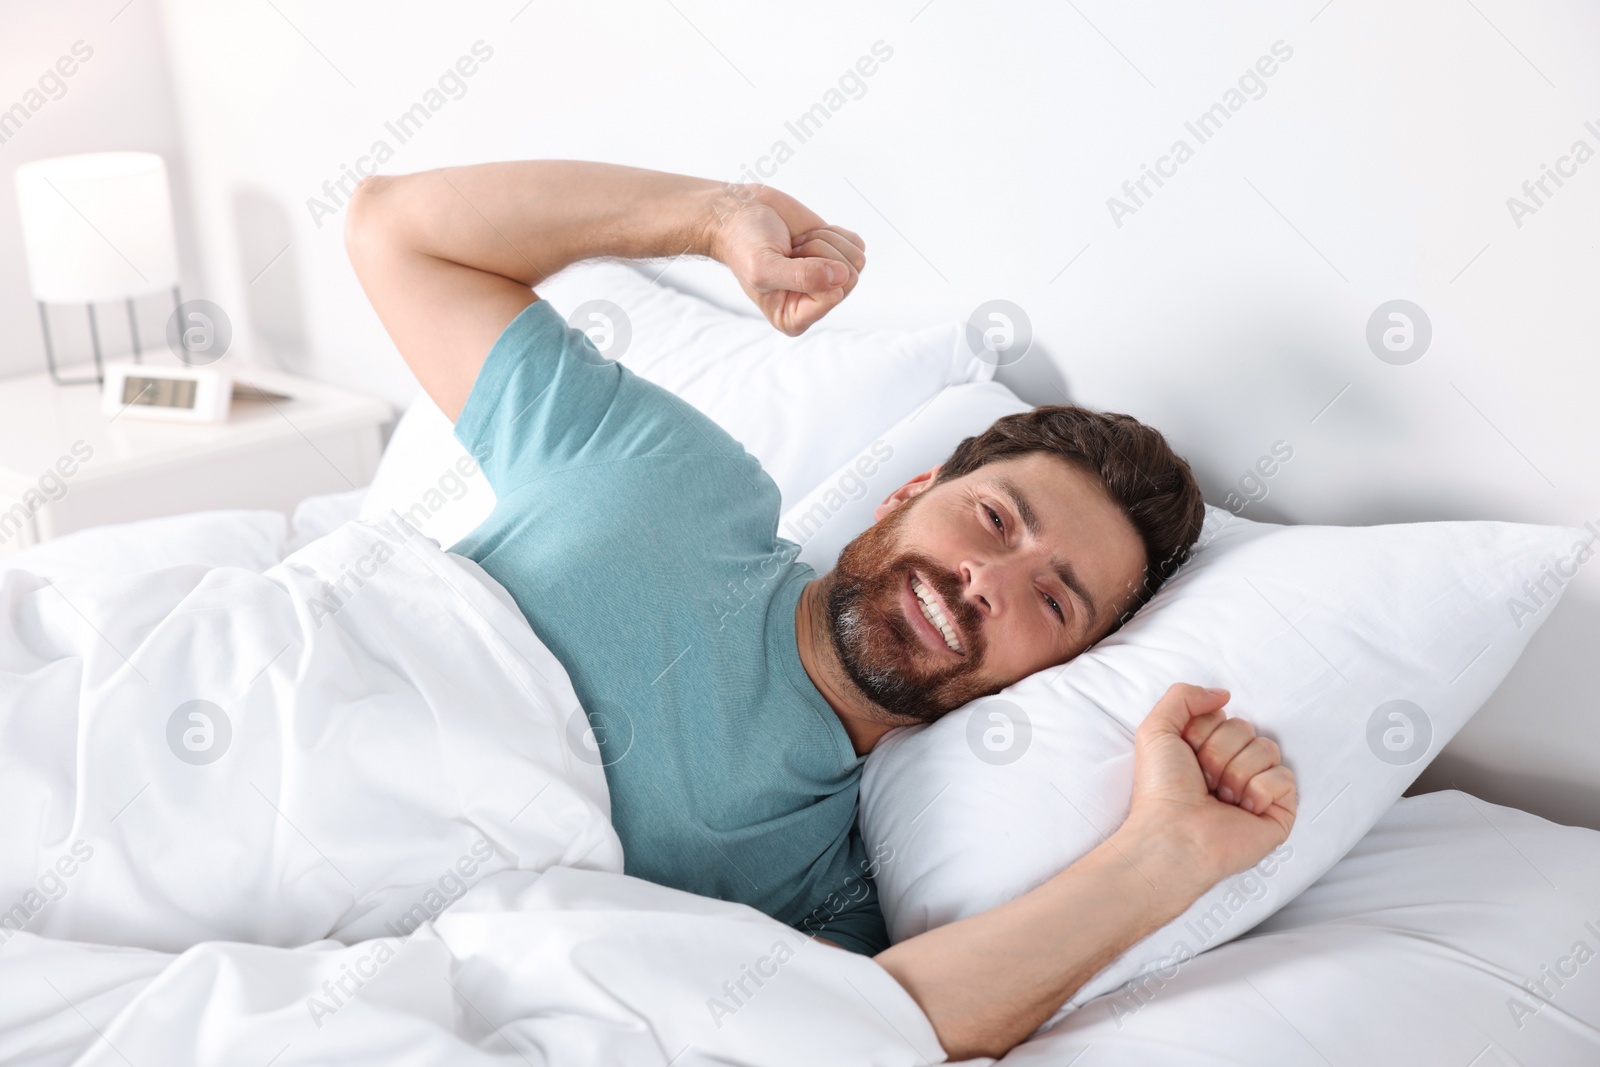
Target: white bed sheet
1415,950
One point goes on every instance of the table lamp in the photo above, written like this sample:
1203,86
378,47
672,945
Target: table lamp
97,228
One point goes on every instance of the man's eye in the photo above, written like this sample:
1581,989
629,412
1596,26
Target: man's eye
1048,599
995,518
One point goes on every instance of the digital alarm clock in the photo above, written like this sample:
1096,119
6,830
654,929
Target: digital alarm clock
171,392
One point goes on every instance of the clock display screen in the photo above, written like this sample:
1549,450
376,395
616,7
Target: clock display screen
160,392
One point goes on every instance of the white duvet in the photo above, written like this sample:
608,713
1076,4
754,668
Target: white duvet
280,757
399,854
232,776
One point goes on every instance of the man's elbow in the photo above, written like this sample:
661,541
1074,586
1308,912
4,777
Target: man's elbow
368,220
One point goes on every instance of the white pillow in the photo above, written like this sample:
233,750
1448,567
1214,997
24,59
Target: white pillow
427,476
1361,651
838,509
801,405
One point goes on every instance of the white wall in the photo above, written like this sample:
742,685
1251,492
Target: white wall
1229,309
120,98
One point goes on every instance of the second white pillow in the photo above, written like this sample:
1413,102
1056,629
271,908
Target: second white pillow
801,405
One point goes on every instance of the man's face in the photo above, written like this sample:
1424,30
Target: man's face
1025,562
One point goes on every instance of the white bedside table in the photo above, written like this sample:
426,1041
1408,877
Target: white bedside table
65,465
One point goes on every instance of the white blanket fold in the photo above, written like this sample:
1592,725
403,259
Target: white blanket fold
323,750
565,967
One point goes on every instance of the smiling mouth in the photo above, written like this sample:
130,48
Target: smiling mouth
932,611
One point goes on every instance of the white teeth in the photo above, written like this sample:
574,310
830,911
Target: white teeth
931,612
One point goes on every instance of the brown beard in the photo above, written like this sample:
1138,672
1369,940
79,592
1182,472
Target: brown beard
876,643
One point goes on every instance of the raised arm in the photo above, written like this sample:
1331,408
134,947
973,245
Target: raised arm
989,981
449,257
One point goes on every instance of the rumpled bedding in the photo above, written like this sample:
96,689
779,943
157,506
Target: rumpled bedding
341,811
395,851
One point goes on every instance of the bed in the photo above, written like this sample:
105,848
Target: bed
1455,932
370,880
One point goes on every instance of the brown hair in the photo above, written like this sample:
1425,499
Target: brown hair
1134,464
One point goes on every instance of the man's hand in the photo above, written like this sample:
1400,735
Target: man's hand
792,264
988,981
1207,782
447,256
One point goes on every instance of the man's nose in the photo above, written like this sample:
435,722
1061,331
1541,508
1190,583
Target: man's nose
980,585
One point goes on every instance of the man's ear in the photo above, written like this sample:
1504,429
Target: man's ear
919,484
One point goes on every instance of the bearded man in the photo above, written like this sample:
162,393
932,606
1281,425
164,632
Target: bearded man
733,741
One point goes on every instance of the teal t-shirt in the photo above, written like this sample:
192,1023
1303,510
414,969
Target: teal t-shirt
640,541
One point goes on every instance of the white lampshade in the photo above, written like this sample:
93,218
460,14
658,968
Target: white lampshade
97,227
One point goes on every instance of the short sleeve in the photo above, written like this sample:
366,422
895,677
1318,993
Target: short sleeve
546,401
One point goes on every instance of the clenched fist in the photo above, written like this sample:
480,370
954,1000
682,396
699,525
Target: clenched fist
1208,784
792,264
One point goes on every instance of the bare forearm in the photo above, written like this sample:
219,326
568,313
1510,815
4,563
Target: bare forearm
989,981
448,257
527,220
